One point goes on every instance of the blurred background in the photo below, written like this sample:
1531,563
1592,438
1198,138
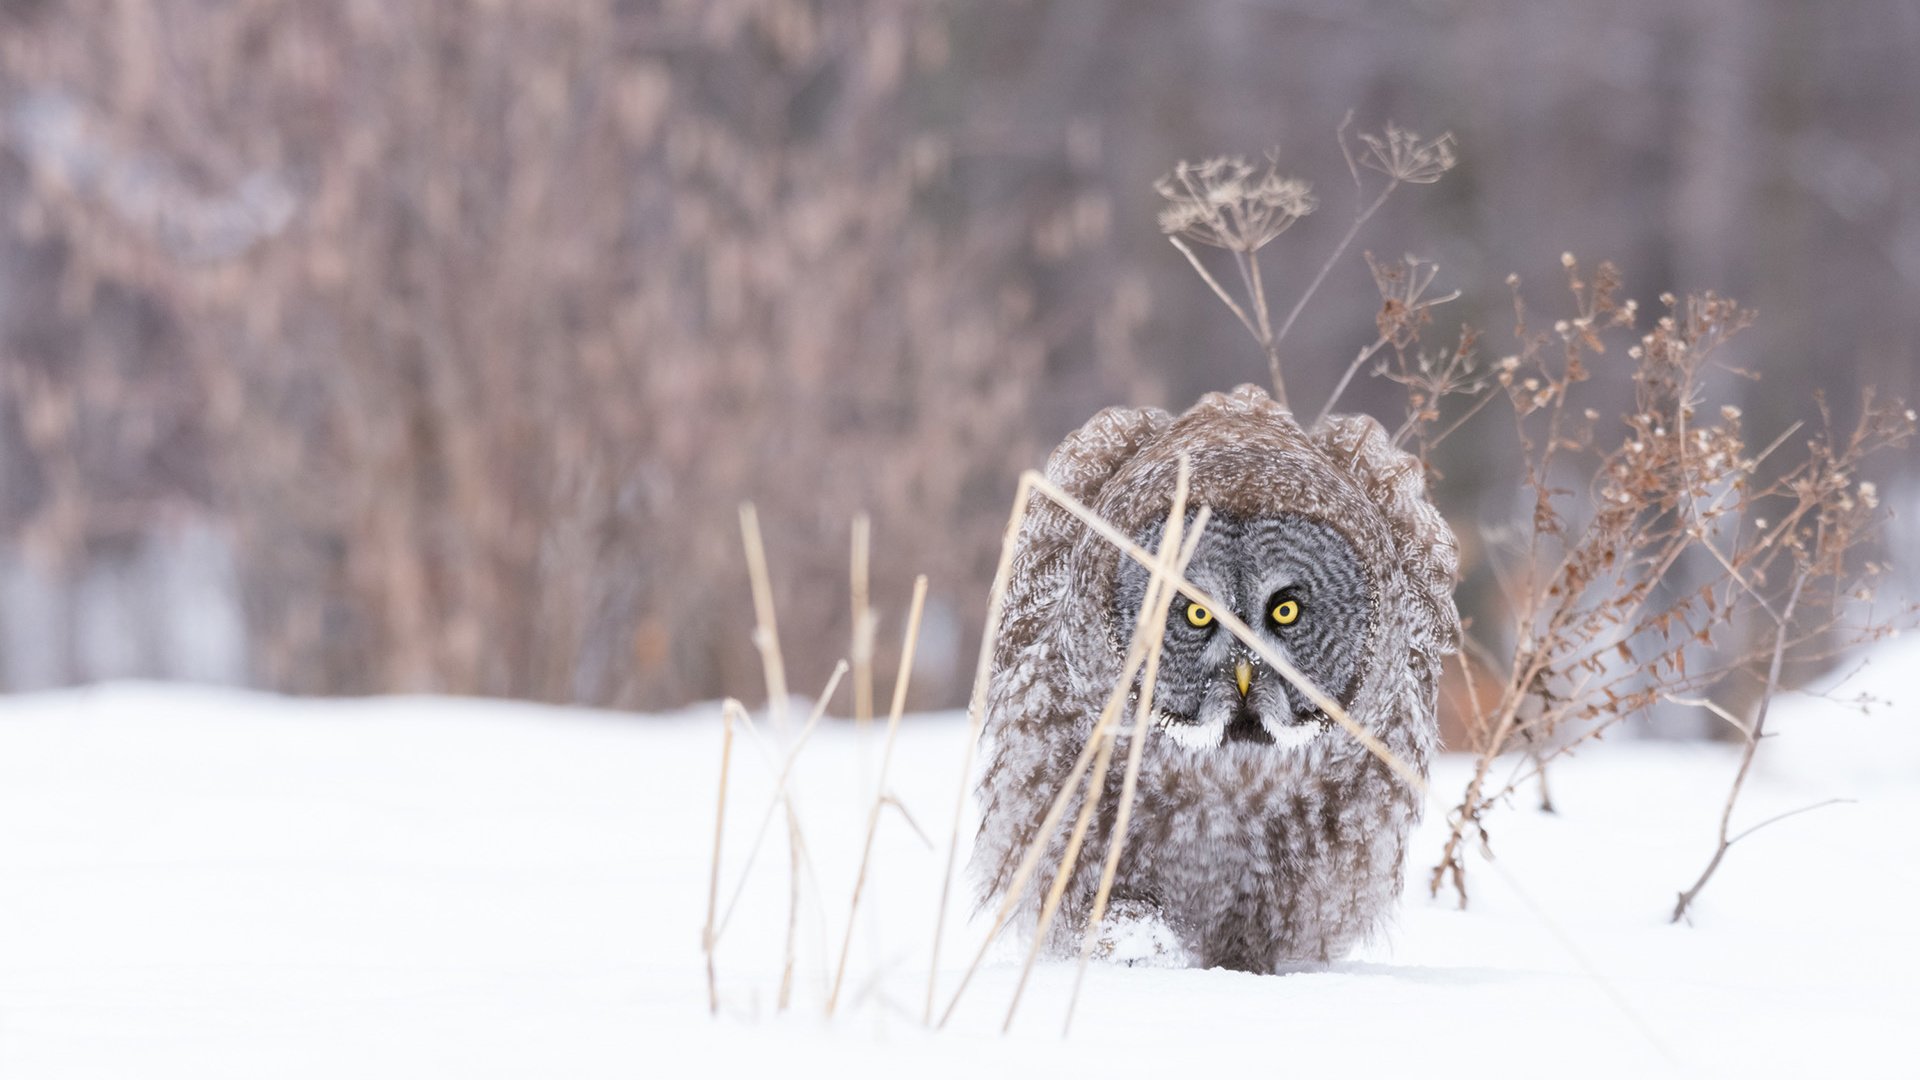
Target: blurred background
430,345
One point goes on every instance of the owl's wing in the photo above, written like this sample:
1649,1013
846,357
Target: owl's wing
1082,464
1396,482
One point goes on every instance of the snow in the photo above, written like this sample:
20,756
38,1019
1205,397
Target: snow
201,883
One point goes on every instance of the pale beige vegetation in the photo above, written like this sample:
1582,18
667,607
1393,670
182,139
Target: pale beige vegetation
519,301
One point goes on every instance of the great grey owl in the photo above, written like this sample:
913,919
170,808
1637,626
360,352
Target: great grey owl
1261,835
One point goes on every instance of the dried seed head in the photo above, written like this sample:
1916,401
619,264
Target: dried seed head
1221,203
1404,156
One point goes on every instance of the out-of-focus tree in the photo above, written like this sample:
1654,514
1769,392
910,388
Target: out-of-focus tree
450,333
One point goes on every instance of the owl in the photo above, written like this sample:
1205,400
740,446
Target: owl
1262,835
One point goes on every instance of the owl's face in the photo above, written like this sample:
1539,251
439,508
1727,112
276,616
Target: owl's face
1292,578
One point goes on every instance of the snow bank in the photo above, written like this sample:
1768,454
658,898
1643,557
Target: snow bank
201,883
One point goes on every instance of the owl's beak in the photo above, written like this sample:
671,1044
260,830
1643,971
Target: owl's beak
1243,675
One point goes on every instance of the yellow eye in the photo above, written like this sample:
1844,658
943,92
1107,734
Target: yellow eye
1199,616
1286,612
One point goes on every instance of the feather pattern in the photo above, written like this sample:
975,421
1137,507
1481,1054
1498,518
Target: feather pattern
1285,845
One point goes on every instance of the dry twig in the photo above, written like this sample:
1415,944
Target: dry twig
727,711
881,798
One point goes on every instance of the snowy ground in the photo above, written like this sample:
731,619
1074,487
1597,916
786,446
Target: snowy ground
204,884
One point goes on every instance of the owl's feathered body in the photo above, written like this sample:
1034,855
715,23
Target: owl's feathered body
1258,836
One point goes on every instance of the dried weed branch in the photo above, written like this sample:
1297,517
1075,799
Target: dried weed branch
977,717
727,711
1693,570
1150,631
1158,593
1231,204
1648,590
881,798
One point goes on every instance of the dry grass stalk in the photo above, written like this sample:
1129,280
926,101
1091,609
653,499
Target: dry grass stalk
1030,861
766,633
727,711
1753,734
976,718
863,623
782,796
881,797
766,638
1157,591
1150,630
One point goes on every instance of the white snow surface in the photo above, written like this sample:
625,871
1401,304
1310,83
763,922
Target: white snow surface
200,883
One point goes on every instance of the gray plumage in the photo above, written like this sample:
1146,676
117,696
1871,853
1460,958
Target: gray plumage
1261,834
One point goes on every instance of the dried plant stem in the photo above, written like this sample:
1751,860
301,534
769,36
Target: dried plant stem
727,711
766,638
1031,860
781,797
794,847
1220,291
1531,664
976,716
863,623
1796,812
880,797
1151,627
1129,667
1158,590
1333,257
766,634
1753,746
1069,860
1359,361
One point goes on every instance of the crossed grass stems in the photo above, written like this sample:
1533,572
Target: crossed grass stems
1167,568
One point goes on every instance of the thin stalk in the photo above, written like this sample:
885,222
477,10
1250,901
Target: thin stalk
719,830
1326,267
1753,746
766,638
781,797
880,799
1157,587
862,624
766,634
1151,622
1219,290
976,717
1353,368
1030,862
